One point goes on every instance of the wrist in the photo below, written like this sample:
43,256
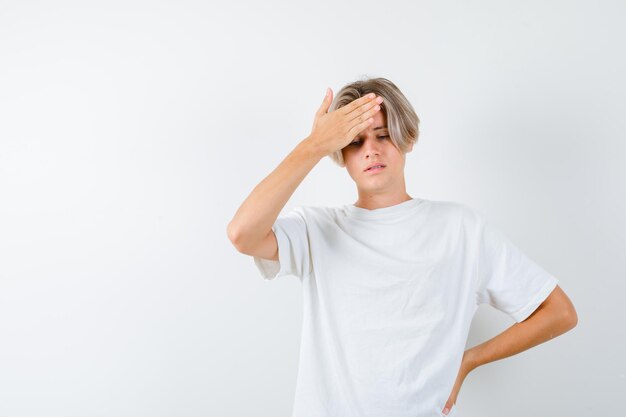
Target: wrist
310,147
470,361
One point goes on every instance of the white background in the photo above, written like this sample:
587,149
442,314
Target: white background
131,131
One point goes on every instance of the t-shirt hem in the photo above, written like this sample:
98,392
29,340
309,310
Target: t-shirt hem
523,313
269,268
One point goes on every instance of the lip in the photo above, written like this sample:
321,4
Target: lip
375,169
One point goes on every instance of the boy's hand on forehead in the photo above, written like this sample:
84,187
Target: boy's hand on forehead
335,130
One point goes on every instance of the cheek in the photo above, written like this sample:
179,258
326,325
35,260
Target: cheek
352,168
348,158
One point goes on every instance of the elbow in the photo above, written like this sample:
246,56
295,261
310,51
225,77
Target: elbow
568,319
240,240
234,236
571,318
563,310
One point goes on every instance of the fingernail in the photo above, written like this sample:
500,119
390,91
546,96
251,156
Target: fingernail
446,410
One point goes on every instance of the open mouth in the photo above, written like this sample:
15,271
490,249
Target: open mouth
376,168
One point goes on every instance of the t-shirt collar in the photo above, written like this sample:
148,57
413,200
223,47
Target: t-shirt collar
382,212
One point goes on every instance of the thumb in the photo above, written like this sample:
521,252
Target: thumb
328,98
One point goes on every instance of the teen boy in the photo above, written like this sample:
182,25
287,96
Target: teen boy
391,282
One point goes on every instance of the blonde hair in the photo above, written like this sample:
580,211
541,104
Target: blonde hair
402,121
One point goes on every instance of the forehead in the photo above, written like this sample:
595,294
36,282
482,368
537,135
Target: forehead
379,125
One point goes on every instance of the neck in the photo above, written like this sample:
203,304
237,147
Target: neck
373,201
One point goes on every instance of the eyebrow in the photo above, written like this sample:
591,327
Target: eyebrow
376,128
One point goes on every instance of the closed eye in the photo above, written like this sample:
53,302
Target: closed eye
358,142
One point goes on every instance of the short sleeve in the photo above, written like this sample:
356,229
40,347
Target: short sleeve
508,279
294,256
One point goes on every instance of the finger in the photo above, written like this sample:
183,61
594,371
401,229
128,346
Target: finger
352,133
371,111
365,107
326,102
355,104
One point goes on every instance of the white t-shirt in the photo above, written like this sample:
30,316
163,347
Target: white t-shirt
388,298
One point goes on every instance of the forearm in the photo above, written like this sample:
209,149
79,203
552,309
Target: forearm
544,324
256,215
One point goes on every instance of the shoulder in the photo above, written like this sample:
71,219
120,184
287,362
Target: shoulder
319,212
452,209
458,214
313,214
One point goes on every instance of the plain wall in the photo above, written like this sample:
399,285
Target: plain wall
131,131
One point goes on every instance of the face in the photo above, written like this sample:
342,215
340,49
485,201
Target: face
373,145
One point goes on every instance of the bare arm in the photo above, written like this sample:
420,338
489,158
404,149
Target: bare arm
254,219
250,230
555,316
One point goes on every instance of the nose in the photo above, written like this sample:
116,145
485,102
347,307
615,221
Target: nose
372,147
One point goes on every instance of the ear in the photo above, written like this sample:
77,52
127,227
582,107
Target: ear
410,147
